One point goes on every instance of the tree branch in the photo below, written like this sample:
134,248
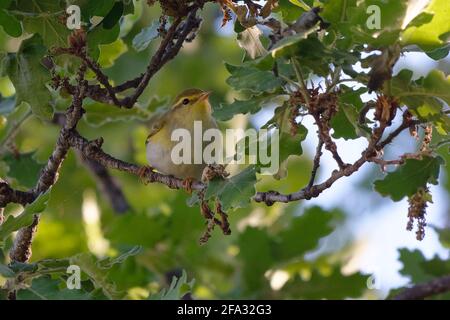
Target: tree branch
316,162
424,290
108,185
92,150
9,195
178,33
21,250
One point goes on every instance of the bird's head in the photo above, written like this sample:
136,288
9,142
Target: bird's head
193,98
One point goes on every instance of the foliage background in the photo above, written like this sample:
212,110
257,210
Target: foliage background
310,249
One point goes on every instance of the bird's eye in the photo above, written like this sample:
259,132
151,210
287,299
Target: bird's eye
185,101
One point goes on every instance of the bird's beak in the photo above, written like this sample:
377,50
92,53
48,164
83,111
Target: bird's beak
205,95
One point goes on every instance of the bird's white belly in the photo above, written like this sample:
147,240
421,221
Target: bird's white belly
159,157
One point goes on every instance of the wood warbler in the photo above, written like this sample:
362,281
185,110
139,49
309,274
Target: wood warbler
189,106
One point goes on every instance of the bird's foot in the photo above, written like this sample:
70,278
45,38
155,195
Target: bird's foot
143,173
187,184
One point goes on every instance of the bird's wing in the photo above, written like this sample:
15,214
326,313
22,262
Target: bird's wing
156,123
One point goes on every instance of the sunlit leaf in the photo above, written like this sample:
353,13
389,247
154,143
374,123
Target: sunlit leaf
111,52
424,96
430,35
25,218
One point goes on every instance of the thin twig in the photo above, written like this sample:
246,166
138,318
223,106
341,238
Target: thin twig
316,163
425,290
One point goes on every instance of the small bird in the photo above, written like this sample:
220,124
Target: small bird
189,106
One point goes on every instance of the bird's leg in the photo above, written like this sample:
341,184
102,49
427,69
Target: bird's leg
143,173
187,184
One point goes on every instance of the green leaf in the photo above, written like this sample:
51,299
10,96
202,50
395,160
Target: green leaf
6,272
411,176
411,265
137,229
310,52
110,52
14,118
98,114
444,236
5,4
301,4
424,96
435,84
290,144
29,77
10,24
303,233
439,53
98,275
147,35
98,8
422,18
345,123
252,78
429,36
350,18
25,218
290,11
44,17
109,262
420,270
252,105
287,47
179,287
256,253
337,10
18,267
335,286
234,192
100,35
113,16
46,288
24,168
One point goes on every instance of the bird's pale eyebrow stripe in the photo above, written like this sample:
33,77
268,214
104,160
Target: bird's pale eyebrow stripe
179,102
